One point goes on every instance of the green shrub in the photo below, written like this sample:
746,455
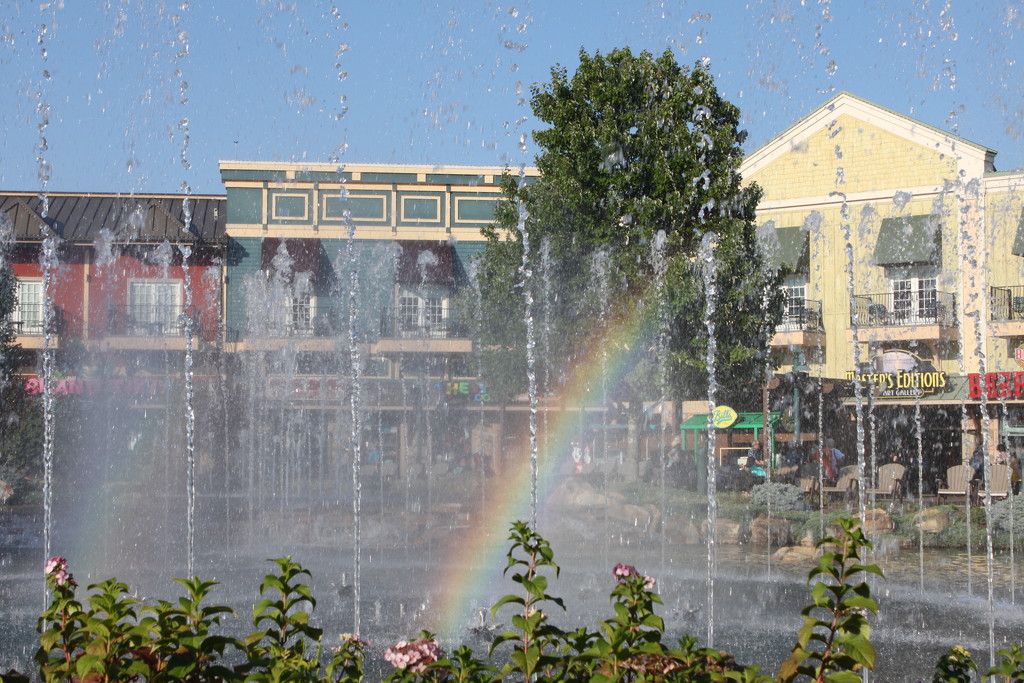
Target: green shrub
111,637
777,496
1003,510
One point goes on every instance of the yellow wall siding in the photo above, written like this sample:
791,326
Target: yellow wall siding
871,160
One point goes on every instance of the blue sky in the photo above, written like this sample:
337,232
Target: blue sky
447,82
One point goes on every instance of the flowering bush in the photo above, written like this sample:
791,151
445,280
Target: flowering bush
415,656
111,637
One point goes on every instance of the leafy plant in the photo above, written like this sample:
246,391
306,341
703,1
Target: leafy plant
61,639
630,645
1010,667
106,639
281,648
536,640
956,666
182,646
833,647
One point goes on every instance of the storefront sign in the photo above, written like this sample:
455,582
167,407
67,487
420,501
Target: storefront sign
1018,355
901,374
996,385
723,416
302,388
474,391
78,386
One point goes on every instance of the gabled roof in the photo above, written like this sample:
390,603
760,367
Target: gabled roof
79,217
970,153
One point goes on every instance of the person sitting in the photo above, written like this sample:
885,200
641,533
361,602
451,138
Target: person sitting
978,464
756,463
978,473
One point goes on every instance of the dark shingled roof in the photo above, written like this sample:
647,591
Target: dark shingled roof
79,217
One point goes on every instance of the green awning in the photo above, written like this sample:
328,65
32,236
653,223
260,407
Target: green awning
794,249
909,239
743,421
1018,241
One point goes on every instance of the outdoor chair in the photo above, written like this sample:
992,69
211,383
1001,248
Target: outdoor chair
786,475
958,482
878,314
809,487
847,483
998,482
889,481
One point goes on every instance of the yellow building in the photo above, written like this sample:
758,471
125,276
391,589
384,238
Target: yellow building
902,246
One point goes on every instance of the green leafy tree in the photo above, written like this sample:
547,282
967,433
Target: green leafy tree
21,429
639,151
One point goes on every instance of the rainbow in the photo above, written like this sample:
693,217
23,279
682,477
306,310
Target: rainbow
478,558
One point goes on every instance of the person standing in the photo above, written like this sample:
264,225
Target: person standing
827,462
1015,473
834,454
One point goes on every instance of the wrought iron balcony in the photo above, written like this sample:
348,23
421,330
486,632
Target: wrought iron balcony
801,315
896,309
28,320
402,327
141,320
151,320
1007,303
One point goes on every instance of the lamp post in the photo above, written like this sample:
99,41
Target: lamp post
799,370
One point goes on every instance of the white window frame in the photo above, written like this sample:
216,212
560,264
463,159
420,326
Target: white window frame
914,293
299,312
423,312
155,307
794,311
29,316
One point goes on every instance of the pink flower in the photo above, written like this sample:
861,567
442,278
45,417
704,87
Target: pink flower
621,571
624,571
56,563
415,656
57,567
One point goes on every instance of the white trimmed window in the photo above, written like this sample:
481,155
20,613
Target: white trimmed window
914,297
154,307
299,311
423,313
28,313
796,305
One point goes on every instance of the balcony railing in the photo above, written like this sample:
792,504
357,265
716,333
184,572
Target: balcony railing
440,329
28,321
327,322
929,307
801,315
151,320
1007,303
